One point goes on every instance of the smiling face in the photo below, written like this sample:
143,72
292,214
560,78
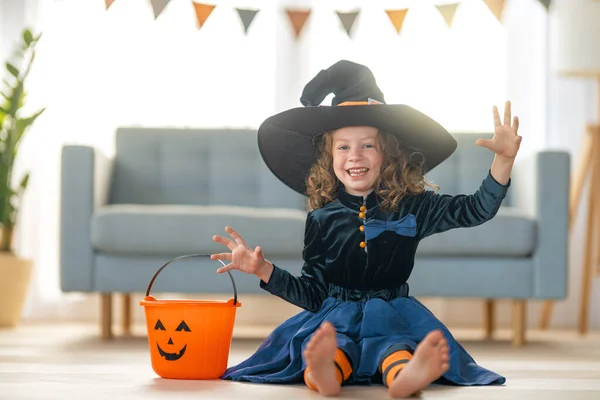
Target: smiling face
357,158
175,351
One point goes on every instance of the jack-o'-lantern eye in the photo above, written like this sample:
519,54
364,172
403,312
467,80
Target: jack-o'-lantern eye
183,327
159,326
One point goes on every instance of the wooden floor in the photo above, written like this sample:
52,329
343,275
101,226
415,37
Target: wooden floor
68,361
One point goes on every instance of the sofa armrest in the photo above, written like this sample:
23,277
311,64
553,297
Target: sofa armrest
541,188
85,185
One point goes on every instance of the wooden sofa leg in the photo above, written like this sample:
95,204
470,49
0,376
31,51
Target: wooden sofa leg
488,318
546,314
519,322
126,314
106,316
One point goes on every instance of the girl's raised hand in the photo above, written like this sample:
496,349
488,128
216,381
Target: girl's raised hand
506,141
242,257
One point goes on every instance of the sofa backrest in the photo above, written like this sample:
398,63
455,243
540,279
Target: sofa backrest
196,167
224,167
464,171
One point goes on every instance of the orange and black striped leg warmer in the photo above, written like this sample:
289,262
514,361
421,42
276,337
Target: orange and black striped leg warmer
393,360
343,370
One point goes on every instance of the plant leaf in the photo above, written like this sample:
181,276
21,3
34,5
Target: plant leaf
12,69
27,37
24,123
16,99
24,182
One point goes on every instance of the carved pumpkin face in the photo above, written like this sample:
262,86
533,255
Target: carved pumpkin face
172,351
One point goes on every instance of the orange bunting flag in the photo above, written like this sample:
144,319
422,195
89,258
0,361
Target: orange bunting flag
347,19
497,7
298,19
397,18
109,3
202,12
448,11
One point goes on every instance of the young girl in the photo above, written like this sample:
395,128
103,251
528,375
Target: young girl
361,163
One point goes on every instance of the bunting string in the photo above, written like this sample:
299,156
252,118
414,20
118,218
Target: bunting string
298,17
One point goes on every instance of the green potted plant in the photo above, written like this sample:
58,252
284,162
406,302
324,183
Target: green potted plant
15,272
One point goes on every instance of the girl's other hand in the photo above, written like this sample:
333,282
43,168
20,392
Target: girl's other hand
242,257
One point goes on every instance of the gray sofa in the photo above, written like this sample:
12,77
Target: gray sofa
167,191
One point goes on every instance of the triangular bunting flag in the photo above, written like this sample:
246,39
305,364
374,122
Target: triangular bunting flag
397,18
202,12
158,6
497,7
347,19
545,3
448,11
247,16
298,19
109,3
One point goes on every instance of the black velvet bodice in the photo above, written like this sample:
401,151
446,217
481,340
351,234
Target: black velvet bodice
338,256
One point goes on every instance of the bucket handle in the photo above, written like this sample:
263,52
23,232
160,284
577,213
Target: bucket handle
192,256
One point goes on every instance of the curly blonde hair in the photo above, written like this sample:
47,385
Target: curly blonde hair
400,174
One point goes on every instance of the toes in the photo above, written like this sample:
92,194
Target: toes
437,336
443,346
326,327
319,333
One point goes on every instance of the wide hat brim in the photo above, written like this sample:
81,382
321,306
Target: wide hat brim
288,141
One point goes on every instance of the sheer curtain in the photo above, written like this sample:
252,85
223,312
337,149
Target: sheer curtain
98,69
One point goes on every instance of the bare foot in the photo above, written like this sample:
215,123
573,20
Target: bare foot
319,355
429,362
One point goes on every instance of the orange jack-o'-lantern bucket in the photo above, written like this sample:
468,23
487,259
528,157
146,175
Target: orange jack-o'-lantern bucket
189,339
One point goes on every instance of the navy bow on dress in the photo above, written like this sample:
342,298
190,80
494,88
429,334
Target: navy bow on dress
406,226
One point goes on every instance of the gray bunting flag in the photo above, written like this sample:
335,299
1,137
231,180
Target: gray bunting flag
347,19
158,6
247,16
546,3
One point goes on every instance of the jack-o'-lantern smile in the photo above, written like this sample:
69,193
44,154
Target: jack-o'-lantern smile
171,356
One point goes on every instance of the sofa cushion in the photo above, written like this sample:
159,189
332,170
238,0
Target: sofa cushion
510,233
184,229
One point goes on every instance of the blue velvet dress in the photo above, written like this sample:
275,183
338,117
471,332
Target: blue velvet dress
362,290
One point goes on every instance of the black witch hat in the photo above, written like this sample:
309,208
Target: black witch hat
287,141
